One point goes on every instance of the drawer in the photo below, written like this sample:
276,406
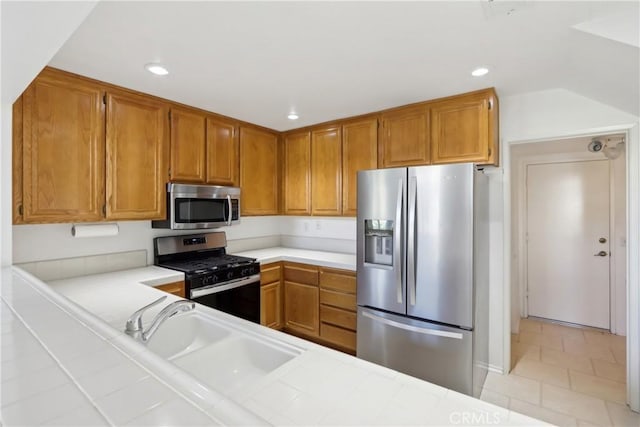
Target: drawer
270,273
301,273
338,317
339,336
339,280
338,299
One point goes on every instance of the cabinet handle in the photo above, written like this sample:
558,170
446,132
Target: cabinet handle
104,210
20,210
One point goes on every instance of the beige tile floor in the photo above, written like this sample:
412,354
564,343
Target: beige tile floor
566,376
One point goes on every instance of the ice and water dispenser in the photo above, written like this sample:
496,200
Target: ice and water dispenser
378,242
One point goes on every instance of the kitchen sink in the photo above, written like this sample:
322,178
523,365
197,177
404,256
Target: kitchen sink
235,361
183,334
220,355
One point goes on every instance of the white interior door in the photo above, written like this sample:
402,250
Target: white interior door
568,242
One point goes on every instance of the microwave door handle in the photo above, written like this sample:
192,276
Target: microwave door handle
229,205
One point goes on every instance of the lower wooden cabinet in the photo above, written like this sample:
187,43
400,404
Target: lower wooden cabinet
338,308
271,295
311,302
175,288
301,299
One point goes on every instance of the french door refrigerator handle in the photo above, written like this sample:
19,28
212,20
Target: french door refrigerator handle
411,328
397,257
411,244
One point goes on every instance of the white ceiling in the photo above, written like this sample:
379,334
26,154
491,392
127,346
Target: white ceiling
256,61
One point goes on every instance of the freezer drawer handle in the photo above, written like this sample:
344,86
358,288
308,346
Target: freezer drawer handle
425,331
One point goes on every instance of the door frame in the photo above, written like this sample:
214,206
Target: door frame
632,134
522,224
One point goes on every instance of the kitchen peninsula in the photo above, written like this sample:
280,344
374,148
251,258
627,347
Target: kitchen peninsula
73,328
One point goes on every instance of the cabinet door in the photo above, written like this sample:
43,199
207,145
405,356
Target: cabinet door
63,150
187,146
301,313
297,172
16,160
271,295
222,152
405,137
460,129
258,172
271,305
326,171
359,152
137,151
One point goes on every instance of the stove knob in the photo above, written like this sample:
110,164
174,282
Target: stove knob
206,281
213,278
245,272
230,275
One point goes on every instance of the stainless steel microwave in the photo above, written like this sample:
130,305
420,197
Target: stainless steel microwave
192,206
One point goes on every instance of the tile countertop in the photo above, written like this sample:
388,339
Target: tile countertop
82,357
324,259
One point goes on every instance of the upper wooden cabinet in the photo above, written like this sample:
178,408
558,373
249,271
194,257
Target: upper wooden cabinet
463,129
297,174
187,146
204,149
259,162
222,152
404,140
62,151
326,171
359,152
137,157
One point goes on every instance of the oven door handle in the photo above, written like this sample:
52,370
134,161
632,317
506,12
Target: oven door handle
214,289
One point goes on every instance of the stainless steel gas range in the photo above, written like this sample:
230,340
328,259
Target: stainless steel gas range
213,278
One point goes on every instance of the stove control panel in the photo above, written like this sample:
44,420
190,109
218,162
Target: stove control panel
220,277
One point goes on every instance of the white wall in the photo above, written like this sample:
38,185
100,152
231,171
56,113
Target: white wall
31,33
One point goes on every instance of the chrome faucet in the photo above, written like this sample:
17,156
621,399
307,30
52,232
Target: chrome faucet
134,327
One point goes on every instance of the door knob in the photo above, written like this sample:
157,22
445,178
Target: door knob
602,240
601,253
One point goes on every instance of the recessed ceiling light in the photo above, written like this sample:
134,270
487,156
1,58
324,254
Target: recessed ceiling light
156,69
479,72
292,116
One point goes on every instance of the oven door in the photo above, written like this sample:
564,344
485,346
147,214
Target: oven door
240,298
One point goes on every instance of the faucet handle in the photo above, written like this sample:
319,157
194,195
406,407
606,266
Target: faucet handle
134,324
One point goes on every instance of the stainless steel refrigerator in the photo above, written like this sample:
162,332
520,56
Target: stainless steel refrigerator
423,273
